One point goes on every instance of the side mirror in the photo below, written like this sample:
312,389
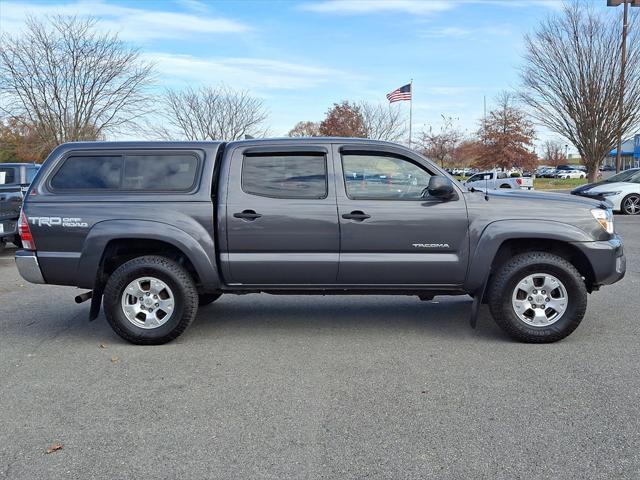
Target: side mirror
440,187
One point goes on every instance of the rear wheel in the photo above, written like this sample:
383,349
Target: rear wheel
630,204
538,297
150,300
17,241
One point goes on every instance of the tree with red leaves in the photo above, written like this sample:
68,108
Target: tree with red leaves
343,120
506,137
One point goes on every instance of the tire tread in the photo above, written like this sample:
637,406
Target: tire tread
116,283
506,319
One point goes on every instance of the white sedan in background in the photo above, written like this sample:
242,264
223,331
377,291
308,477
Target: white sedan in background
625,196
571,174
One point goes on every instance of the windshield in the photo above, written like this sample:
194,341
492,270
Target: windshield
623,176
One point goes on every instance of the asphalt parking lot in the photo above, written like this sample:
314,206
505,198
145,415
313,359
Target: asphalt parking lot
319,387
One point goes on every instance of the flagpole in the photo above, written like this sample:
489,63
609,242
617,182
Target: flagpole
410,109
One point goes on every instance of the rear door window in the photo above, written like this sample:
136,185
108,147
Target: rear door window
285,176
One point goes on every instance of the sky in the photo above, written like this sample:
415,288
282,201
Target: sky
302,56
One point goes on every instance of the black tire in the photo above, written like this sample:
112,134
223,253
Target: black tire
207,298
627,209
2,246
515,270
169,272
17,241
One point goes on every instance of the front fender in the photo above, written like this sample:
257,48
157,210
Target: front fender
104,232
496,233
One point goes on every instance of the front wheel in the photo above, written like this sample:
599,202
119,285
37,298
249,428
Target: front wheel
150,300
631,204
537,297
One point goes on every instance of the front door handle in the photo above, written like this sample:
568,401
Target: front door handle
357,215
247,215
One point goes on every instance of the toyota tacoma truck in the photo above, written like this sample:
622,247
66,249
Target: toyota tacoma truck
156,229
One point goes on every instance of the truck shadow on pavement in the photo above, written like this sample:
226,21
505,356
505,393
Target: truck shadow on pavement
356,315
297,316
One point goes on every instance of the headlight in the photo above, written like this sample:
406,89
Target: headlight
609,194
604,218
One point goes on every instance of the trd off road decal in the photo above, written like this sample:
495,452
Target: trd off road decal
71,222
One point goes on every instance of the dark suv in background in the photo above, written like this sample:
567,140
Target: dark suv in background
14,181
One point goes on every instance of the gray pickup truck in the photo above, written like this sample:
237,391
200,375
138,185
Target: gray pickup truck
14,180
156,229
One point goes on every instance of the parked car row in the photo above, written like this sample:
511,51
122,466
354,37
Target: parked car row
621,190
461,172
563,171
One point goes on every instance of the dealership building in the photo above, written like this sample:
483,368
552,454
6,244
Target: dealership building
630,153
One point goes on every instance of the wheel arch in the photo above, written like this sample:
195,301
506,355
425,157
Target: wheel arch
502,240
111,243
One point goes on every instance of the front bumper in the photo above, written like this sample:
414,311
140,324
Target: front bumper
607,260
28,266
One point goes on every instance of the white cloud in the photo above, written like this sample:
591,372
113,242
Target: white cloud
415,7
240,72
132,23
461,32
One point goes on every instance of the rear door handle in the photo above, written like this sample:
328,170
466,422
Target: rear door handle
357,215
247,215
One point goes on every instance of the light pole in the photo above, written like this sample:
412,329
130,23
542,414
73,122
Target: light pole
617,3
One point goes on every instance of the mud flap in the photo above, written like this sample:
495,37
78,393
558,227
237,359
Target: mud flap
475,306
96,301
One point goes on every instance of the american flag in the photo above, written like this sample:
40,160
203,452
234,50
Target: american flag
399,94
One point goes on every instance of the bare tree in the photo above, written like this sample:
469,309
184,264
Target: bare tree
571,79
553,153
440,144
69,81
383,122
305,129
507,136
212,113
